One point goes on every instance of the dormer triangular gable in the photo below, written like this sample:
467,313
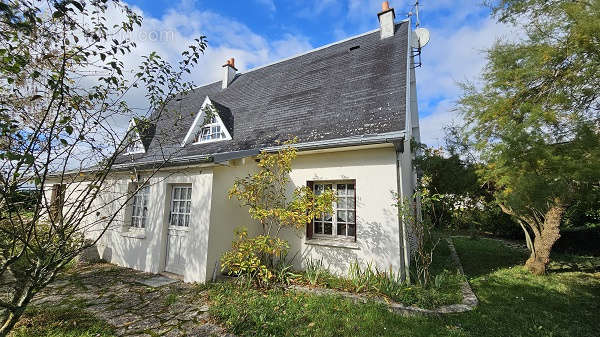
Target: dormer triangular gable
205,128
134,145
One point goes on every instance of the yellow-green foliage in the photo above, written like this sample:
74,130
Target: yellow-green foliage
266,194
253,256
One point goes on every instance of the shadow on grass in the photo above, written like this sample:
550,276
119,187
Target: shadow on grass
513,302
481,256
562,263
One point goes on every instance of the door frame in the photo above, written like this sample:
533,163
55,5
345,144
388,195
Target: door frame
167,223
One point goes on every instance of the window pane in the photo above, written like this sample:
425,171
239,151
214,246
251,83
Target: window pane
328,217
341,216
143,223
341,189
350,203
341,202
328,187
341,229
189,193
351,216
318,228
350,189
175,206
177,193
328,228
318,189
351,230
187,220
182,207
188,206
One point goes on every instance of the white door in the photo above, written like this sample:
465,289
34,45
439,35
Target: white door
179,225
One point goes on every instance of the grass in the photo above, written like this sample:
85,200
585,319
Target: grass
512,303
368,280
171,299
250,312
61,321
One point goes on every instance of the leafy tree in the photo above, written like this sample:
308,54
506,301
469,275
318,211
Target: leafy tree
61,105
535,119
269,201
266,195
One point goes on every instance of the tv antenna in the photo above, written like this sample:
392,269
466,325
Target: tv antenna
419,39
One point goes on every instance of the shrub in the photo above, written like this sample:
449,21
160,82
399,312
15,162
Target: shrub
254,257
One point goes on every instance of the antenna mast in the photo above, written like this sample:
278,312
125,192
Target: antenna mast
417,23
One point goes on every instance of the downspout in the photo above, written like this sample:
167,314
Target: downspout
404,253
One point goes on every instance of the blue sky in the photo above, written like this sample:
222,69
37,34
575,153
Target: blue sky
258,32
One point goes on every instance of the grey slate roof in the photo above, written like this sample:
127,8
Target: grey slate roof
326,94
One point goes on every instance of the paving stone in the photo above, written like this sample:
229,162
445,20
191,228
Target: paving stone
157,281
116,295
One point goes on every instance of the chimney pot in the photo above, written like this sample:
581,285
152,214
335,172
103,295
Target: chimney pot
385,6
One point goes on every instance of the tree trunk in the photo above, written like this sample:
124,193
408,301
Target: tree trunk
12,317
543,242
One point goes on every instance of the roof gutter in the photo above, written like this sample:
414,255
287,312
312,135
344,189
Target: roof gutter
388,137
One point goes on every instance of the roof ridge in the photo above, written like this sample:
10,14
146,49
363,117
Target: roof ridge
306,52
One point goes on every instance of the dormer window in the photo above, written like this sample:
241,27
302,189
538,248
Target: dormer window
134,147
207,126
134,142
210,131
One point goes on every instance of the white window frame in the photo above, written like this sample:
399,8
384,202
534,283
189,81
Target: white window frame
214,123
190,136
178,213
140,202
135,146
334,219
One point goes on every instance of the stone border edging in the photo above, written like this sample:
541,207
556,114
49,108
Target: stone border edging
469,301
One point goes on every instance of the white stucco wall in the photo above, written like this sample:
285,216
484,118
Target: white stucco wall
215,217
377,220
144,249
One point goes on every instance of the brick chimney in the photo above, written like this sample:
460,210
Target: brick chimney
386,20
229,73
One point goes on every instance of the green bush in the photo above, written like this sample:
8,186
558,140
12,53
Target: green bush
255,258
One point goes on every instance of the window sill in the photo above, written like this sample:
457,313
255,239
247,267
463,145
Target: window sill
333,243
134,234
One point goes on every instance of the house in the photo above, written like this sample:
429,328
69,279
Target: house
353,107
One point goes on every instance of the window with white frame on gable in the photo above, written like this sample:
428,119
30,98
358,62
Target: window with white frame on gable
134,146
341,224
139,209
181,205
210,131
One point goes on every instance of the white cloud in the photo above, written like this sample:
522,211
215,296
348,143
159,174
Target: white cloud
270,4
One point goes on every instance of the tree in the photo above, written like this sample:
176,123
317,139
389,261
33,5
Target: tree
535,117
61,107
269,201
266,195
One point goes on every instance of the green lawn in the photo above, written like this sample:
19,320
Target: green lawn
512,303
